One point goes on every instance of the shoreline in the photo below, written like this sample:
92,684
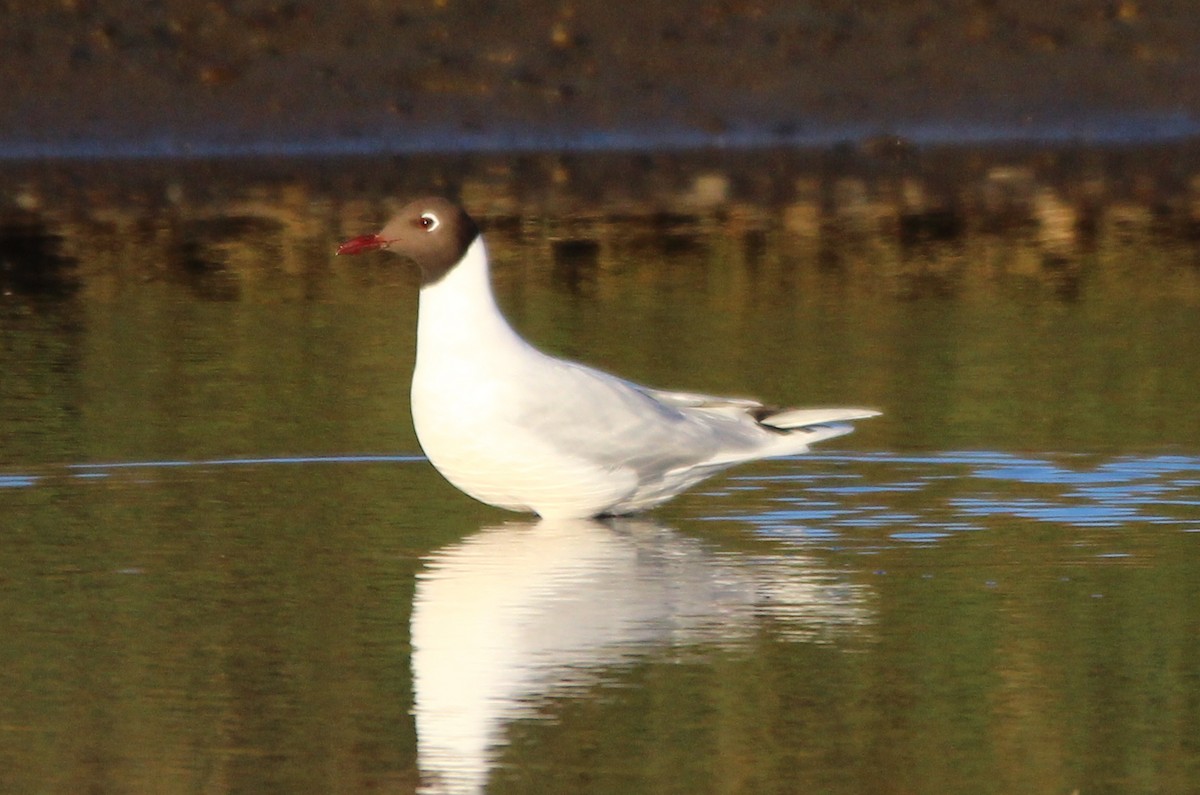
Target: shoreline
1095,132
1148,172
95,228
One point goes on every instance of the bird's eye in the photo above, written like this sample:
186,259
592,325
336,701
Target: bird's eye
428,222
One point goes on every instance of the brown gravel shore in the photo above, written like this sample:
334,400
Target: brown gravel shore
92,77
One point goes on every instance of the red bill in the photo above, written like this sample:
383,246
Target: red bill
362,243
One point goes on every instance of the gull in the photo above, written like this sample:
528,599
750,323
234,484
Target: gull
519,429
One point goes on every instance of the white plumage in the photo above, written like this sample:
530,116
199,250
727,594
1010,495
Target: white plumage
518,429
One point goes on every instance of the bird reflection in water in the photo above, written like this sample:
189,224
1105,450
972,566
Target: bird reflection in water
524,611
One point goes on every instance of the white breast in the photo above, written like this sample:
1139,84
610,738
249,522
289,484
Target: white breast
485,453
470,397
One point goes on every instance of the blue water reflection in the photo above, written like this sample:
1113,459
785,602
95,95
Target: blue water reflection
826,497
834,500
99,471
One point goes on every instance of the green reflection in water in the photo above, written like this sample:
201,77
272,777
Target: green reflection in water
170,632
247,628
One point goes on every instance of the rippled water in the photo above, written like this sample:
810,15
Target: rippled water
318,623
928,498
227,567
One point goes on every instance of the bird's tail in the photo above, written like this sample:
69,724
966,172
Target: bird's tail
795,419
801,428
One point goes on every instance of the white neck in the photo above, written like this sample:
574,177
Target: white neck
458,317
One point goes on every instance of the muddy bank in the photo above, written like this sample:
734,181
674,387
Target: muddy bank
292,76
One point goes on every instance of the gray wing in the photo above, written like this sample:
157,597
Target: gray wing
619,424
778,418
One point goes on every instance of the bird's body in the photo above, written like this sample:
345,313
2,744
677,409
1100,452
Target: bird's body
519,429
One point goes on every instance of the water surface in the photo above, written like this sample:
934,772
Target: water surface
227,567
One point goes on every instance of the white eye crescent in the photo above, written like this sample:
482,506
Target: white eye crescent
429,222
